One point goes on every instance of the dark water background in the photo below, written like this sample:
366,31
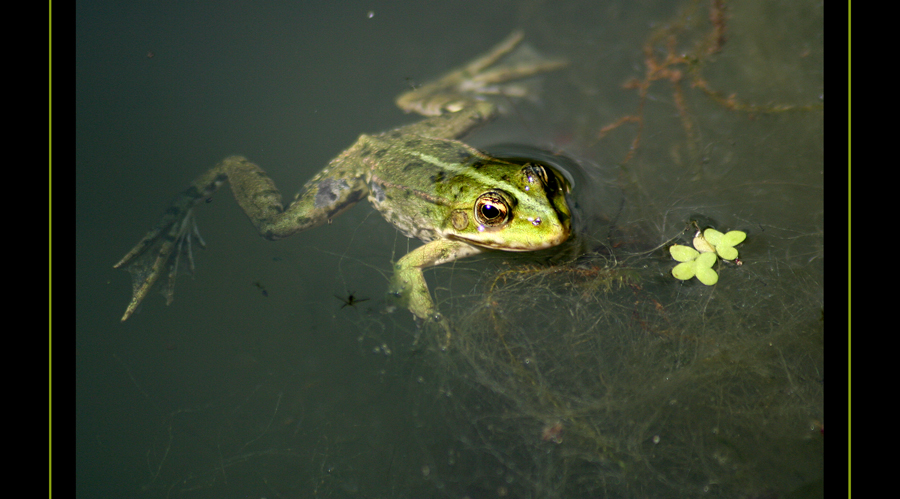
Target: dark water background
230,393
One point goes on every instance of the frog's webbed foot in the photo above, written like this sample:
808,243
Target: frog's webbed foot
162,250
437,327
158,252
458,89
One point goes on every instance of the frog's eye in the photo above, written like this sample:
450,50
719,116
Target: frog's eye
533,172
492,209
553,181
556,182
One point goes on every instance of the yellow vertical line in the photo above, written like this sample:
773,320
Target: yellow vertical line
849,247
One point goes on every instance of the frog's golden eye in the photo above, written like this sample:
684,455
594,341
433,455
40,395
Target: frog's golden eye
535,172
492,209
553,181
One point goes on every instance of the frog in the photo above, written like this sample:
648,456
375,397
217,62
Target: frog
459,201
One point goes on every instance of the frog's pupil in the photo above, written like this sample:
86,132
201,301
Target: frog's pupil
490,211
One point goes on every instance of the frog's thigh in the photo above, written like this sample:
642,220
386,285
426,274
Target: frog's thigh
409,282
332,191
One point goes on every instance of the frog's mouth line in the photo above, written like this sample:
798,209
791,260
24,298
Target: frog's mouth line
508,246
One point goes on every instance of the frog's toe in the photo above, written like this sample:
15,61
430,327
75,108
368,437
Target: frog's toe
488,82
435,327
443,329
158,252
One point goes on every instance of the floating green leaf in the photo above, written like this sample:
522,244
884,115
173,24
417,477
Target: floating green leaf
724,243
684,271
703,268
702,245
683,253
694,264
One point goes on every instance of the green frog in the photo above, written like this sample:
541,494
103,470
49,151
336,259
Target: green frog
456,199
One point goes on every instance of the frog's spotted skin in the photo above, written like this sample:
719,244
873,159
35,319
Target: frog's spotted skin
427,184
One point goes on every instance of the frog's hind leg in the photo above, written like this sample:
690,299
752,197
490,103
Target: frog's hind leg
162,248
492,73
171,238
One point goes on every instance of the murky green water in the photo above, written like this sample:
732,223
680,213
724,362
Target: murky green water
591,373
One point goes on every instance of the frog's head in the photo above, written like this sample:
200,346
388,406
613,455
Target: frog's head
510,207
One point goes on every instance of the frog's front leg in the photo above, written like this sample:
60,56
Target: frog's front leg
408,283
335,189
